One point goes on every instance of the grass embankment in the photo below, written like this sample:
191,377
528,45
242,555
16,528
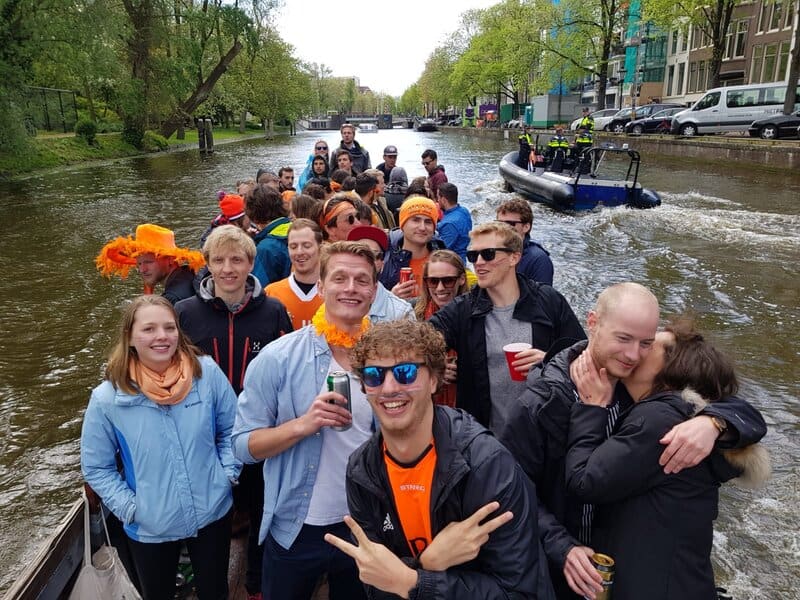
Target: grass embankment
47,151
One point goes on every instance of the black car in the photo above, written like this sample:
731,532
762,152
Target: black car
776,126
623,117
659,122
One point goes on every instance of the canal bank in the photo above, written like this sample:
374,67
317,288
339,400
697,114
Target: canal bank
767,154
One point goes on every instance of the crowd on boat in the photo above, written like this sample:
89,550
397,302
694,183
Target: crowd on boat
404,405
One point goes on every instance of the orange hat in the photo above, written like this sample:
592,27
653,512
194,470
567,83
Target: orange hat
119,255
418,205
232,206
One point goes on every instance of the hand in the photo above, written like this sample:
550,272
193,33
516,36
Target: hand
688,443
377,565
406,290
581,575
593,384
450,370
460,541
325,411
524,361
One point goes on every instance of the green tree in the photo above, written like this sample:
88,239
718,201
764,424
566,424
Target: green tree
410,102
712,18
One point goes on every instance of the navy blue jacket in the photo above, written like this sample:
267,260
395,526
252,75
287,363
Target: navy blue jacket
397,258
535,262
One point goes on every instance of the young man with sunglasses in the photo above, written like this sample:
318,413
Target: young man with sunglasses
535,262
287,414
503,308
437,505
436,174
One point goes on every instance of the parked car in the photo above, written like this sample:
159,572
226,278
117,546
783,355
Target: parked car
659,122
625,116
600,119
731,108
776,126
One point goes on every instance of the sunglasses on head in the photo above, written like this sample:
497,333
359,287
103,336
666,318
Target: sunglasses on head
320,147
448,282
403,373
486,254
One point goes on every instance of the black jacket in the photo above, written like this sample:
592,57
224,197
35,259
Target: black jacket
462,323
472,469
232,339
657,527
396,257
537,434
179,285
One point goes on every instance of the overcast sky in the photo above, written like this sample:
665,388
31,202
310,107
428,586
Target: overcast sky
384,44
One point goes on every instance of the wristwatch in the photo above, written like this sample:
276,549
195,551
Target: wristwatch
720,424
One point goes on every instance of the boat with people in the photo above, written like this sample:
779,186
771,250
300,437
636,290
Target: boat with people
367,128
579,185
425,125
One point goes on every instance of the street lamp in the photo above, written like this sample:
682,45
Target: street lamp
621,85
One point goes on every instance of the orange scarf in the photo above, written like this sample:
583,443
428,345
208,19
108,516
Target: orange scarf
165,389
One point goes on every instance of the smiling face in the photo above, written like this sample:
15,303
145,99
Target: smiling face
402,410
348,289
229,267
154,336
621,336
440,294
304,251
498,271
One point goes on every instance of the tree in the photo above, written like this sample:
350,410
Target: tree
711,18
410,101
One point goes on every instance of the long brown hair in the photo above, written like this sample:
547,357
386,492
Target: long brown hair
122,350
445,256
692,361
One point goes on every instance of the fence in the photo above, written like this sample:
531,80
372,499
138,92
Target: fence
51,109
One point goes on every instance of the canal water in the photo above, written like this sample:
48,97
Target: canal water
725,244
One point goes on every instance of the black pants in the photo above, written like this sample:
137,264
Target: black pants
156,564
248,497
292,574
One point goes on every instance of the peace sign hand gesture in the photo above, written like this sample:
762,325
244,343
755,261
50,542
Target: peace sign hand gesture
377,565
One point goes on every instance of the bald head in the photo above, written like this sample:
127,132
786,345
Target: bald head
622,327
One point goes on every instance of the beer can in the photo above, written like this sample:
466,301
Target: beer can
339,382
406,274
604,565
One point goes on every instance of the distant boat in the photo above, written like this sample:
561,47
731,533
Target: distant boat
367,128
425,125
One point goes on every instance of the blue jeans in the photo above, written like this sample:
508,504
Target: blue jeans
292,574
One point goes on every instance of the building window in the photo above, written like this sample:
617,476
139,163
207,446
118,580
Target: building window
783,61
777,11
772,16
681,71
735,40
693,77
670,79
701,76
770,60
685,40
756,64
788,22
674,46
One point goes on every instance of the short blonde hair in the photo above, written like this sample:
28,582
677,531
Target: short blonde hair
511,239
229,236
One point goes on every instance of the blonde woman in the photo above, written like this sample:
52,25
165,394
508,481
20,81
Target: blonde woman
167,414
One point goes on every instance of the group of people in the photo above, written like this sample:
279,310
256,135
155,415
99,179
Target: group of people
558,154
351,389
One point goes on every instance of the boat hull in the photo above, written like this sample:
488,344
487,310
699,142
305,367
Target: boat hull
561,191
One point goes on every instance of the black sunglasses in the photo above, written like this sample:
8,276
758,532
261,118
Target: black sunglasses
350,219
404,374
486,254
320,148
512,223
448,282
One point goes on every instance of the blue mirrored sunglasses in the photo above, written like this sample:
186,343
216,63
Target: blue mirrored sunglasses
403,373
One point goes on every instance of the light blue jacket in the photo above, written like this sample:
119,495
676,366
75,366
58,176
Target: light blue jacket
388,307
177,460
280,385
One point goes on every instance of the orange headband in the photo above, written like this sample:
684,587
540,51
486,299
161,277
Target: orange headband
330,215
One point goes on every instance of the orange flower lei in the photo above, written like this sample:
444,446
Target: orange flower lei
333,335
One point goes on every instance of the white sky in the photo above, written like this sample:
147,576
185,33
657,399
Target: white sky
384,44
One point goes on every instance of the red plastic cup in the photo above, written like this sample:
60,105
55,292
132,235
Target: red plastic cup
511,351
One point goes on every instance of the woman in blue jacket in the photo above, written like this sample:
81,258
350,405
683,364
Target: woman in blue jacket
167,415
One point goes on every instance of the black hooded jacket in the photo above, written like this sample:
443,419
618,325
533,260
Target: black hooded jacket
472,469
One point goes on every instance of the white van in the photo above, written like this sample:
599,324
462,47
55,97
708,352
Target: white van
731,108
